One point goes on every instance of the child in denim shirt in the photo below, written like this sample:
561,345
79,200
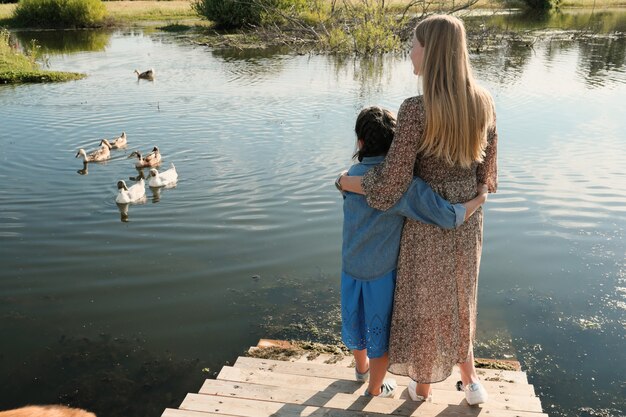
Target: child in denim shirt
371,242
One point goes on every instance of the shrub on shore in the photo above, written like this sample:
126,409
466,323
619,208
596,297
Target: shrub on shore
538,5
59,13
228,14
231,14
364,28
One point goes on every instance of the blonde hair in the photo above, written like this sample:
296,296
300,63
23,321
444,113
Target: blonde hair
458,111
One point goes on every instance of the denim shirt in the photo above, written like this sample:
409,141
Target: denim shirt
371,238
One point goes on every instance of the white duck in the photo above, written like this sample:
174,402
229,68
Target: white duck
101,154
117,143
163,179
130,195
151,160
146,75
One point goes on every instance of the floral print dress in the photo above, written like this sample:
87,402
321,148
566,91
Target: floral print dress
434,313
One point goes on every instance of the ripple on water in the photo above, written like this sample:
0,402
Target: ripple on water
257,142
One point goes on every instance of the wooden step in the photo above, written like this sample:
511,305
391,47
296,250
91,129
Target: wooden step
343,386
339,370
360,407
267,367
333,399
176,412
325,387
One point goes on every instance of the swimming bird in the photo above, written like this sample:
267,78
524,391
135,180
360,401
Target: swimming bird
101,154
130,195
150,160
146,75
162,179
116,143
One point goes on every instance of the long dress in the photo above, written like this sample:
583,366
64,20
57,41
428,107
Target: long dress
434,313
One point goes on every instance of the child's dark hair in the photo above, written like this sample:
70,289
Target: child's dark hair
375,126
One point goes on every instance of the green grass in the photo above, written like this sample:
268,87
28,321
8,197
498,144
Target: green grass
17,67
16,77
125,12
175,27
134,11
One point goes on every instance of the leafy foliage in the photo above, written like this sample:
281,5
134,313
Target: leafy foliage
372,29
231,14
539,5
227,14
59,13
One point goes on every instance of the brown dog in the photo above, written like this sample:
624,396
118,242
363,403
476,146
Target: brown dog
46,411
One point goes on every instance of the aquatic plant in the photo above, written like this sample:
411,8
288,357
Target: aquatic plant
59,13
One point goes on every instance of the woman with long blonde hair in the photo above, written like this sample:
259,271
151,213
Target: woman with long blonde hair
447,136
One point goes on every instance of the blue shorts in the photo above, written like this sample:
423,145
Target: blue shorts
366,308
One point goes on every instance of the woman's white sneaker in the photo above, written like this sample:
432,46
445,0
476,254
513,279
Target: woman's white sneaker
411,389
475,393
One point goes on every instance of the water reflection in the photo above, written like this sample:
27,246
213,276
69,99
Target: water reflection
157,191
251,66
66,41
141,175
254,55
605,21
124,208
600,57
506,64
371,73
84,170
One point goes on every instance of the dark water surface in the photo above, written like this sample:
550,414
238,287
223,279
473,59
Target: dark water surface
122,317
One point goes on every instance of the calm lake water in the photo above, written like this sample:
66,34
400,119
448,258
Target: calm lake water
121,317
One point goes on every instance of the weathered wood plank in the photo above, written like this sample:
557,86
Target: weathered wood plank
352,387
347,374
174,412
342,372
360,406
347,361
253,376
329,398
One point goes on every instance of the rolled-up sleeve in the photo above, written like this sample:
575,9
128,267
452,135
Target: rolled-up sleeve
421,203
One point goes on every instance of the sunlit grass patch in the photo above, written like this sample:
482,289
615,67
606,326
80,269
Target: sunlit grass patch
150,10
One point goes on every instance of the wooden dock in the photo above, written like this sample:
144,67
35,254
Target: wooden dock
255,387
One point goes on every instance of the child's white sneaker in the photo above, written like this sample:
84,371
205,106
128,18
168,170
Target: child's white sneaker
361,377
387,390
411,389
475,393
